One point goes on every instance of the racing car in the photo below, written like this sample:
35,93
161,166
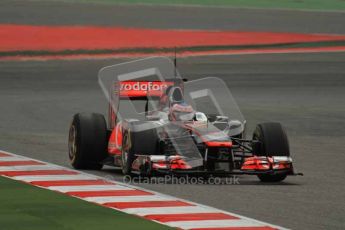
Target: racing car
160,123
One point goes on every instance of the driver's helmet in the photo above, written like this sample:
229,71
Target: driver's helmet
181,112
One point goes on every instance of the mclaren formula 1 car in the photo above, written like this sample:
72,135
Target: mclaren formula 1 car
159,123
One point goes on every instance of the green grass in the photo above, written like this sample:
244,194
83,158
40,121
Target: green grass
285,4
25,207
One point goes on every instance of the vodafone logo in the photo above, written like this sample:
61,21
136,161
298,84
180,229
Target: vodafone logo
144,86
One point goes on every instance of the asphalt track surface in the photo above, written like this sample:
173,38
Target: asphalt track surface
306,92
187,17
303,91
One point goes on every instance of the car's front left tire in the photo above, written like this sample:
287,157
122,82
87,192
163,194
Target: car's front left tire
138,138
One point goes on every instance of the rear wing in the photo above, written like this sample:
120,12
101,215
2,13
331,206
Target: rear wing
135,90
134,82
141,89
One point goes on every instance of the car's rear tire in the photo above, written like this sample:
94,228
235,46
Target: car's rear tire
87,141
137,139
273,142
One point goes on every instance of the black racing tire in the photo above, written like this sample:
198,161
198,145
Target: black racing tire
87,141
273,142
268,178
137,141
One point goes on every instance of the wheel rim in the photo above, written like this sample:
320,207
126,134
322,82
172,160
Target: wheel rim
125,148
124,158
72,143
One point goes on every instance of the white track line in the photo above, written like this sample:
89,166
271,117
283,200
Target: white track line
82,188
212,224
14,158
108,199
51,177
29,168
168,210
193,208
